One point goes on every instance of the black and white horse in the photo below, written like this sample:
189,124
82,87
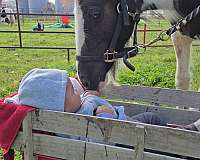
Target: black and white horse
96,22
5,17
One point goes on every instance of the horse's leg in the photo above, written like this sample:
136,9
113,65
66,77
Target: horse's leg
12,20
182,45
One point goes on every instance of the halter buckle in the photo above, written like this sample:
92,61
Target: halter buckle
118,8
109,56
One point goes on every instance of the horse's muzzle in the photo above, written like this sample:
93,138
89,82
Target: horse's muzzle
89,84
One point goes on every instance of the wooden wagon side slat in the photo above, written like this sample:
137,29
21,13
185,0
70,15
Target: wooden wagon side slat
156,95
80,150
99,152
170,115
53,146
60,122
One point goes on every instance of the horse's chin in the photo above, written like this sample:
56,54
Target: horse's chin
104,86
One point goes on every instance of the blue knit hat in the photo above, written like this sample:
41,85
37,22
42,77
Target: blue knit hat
44,88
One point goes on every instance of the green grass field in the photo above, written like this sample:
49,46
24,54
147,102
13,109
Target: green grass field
156,67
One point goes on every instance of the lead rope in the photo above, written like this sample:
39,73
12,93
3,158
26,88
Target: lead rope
165,34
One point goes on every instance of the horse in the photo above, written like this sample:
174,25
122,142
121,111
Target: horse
7,18
103,27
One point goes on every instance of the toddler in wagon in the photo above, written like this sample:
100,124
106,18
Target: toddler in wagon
52,89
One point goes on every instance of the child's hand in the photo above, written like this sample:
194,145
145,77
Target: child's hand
103,109
91,92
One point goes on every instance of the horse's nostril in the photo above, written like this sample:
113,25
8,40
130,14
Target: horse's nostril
84,82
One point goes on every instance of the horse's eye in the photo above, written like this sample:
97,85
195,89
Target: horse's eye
95,12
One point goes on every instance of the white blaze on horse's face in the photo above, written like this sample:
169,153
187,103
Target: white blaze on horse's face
79,27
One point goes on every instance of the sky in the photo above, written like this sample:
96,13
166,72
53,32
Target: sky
52,1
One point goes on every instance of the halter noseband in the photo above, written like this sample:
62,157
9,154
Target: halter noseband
111,55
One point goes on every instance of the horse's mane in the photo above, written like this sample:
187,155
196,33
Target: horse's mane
113,72
146,17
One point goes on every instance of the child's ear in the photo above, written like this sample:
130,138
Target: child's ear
72,101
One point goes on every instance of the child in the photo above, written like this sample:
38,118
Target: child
52,89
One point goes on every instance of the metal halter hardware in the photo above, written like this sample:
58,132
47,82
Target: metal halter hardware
109,56
118,9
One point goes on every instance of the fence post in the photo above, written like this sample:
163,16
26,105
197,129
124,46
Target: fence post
68,55
23,16
145,32
19,25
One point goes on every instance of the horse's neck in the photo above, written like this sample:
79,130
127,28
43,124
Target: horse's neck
157,4
167,6
8,10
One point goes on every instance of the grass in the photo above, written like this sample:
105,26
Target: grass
18,156
155,67
14,65
150,71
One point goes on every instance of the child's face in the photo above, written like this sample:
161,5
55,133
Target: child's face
104,109
72,100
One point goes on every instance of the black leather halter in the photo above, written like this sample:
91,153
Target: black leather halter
111,55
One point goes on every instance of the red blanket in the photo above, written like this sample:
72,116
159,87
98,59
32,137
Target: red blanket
11,117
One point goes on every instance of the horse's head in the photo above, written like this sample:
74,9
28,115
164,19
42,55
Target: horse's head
5,17
3,12
100,33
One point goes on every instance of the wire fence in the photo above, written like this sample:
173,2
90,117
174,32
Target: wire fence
20,16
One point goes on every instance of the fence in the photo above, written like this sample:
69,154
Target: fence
144,30
20,31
